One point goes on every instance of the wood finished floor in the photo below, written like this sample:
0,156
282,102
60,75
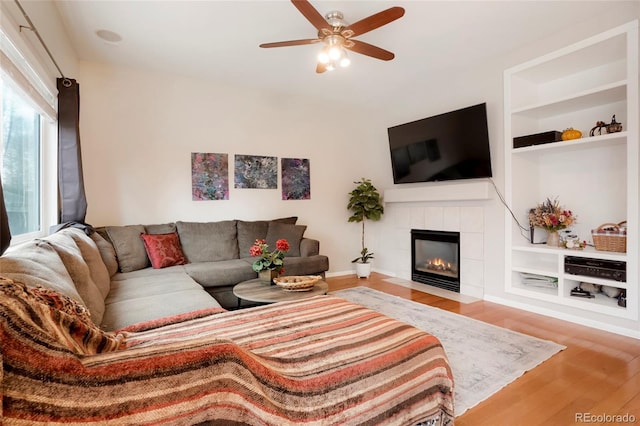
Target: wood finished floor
598,373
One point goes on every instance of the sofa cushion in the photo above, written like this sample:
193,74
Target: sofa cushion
107,252
223,273
292,233
129,248
144,298
146,272
250,231
163,249
36,263
92,256
208,241
162,228
311,265
55,317
136,286
79,271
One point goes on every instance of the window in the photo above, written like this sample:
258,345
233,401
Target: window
20,161
28,136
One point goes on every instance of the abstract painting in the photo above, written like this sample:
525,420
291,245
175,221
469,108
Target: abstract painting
255,171
209,176
296,179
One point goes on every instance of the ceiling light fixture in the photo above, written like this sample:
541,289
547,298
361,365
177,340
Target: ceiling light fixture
334,54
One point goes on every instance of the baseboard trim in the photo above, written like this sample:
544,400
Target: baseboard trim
339,273
565,317
353,272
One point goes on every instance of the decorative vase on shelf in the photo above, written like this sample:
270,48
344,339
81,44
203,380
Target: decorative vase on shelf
553,239
267,275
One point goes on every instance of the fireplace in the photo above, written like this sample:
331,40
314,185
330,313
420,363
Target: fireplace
435,258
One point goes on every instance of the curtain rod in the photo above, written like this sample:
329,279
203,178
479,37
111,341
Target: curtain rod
65,81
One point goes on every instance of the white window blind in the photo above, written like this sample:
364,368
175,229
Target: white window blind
14,66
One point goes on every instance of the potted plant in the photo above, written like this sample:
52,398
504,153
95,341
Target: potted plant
269,264
364,203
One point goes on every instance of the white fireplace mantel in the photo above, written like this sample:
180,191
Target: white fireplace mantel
441,191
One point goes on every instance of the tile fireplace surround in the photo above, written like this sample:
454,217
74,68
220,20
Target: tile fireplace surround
422,208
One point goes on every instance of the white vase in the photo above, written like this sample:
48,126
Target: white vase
553,239
363,270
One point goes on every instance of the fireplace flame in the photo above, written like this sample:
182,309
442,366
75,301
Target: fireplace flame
439,264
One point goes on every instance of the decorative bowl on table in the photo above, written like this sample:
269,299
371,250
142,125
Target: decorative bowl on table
297,282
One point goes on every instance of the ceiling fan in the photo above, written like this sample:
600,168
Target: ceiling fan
337,35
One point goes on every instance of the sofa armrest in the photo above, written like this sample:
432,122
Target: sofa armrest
309,247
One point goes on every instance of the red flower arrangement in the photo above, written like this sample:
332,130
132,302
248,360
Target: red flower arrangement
269,260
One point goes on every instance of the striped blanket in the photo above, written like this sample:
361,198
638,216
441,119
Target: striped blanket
319,361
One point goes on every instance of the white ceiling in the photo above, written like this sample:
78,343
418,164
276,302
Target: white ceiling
219,40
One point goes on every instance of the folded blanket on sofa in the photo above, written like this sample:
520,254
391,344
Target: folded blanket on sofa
317,361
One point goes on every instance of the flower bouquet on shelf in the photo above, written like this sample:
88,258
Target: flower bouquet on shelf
269,264
551,217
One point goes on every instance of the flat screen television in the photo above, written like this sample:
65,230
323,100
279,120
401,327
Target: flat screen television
449,146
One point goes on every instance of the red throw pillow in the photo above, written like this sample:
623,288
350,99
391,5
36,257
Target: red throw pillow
163,249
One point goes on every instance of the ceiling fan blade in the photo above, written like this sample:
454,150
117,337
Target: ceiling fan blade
291,42
374,21
370,50
312,15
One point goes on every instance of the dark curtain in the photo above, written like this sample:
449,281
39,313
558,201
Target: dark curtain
5,233
73,201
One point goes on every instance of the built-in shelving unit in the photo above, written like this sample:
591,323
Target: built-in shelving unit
595,176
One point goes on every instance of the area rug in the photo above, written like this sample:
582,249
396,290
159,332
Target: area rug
484,358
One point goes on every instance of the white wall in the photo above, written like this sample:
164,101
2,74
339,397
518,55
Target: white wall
139,129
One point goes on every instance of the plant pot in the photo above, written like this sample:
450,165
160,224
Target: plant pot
266,276
363,270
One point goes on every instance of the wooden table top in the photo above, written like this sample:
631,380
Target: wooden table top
258,291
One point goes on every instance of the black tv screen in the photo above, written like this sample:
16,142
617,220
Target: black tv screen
449,146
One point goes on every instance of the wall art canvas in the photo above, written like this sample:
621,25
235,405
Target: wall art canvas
296,179
255,171
209,176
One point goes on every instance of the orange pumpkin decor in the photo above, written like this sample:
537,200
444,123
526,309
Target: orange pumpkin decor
571,133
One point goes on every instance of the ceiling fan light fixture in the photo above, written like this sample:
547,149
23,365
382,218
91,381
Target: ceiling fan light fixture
335,53
323,57
345,61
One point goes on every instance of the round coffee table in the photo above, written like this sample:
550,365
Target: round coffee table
258,291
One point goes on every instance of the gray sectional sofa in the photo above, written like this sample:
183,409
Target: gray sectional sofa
110,273
217,258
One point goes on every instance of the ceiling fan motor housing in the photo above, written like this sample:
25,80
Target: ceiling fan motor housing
335,18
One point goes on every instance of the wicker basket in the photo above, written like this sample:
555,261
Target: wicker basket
610,237
297,282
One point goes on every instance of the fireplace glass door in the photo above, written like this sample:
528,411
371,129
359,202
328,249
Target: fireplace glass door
435,258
